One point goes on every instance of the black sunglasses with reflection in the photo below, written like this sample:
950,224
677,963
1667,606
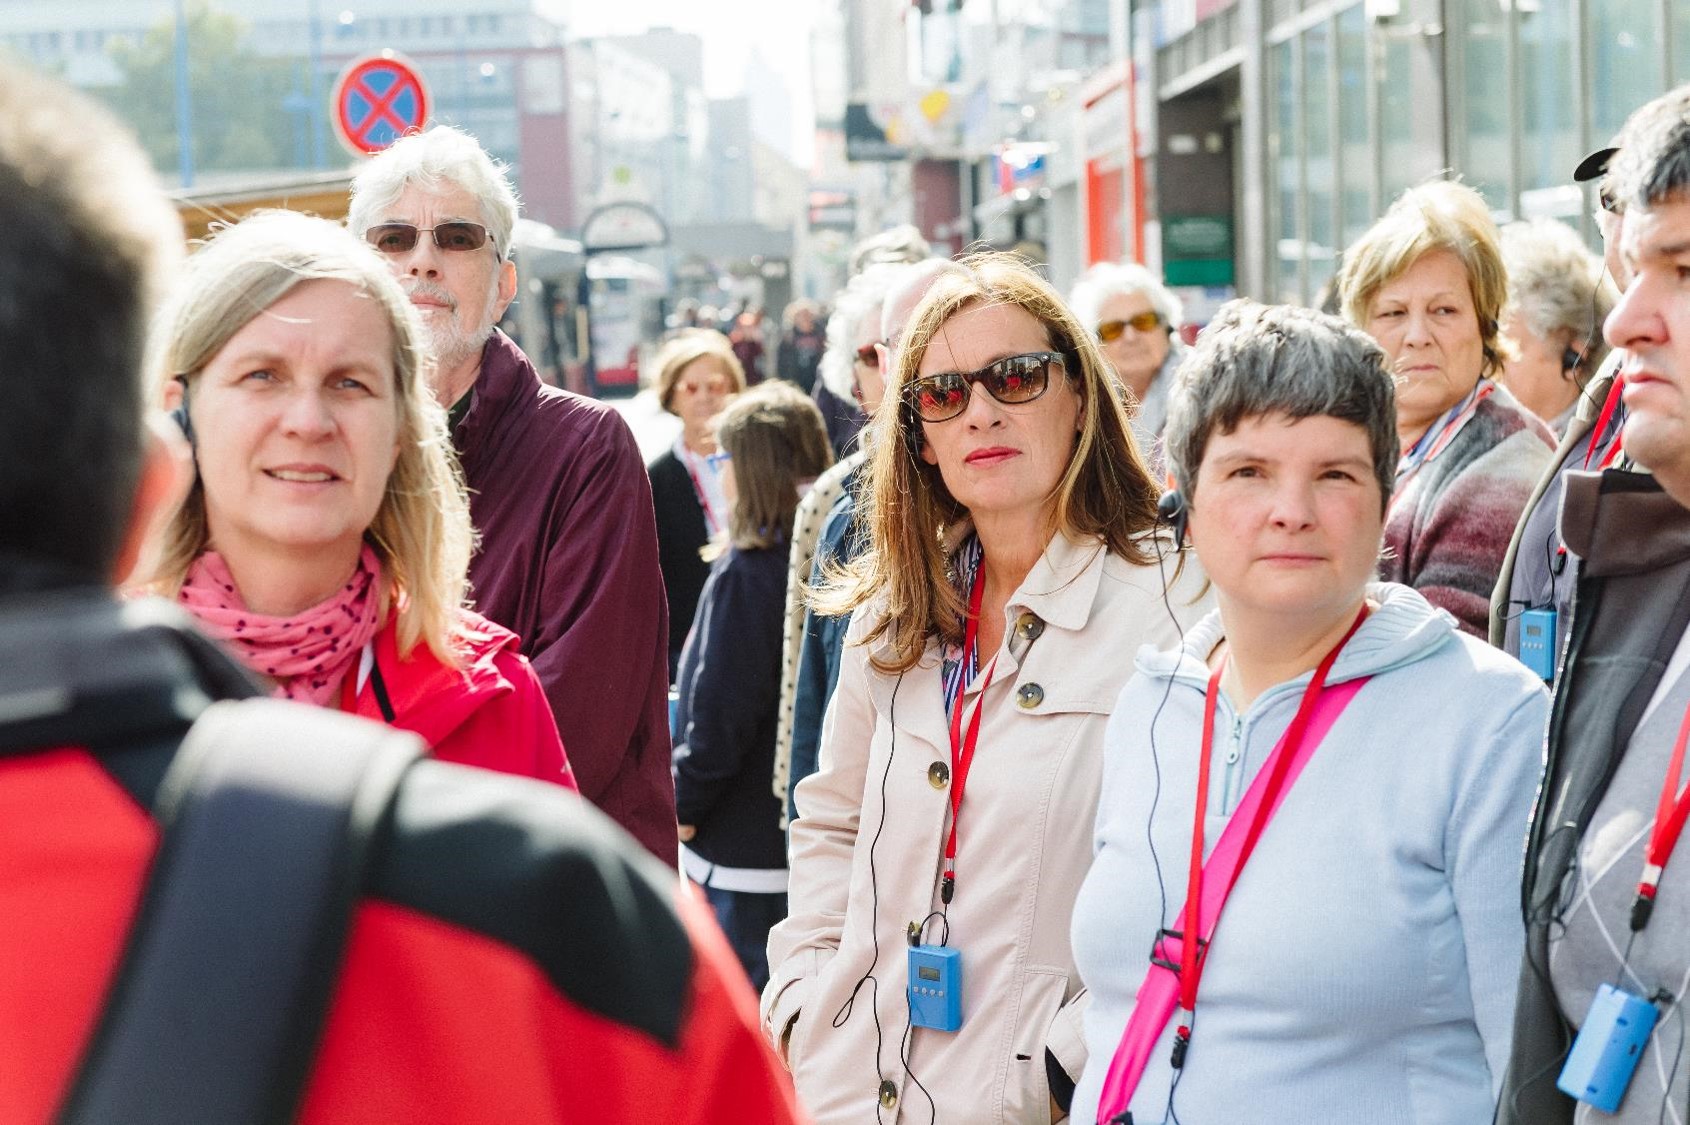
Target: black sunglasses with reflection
1012,381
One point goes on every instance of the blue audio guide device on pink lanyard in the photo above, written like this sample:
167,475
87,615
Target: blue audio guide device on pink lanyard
1608,1048
935,988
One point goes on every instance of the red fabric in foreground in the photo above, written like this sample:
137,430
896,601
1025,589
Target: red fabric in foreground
430,1022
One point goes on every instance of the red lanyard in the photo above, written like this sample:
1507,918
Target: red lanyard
1192,958
1670,813
962,750
1602,420
712,524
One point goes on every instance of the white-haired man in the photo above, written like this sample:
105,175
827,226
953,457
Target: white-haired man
559,494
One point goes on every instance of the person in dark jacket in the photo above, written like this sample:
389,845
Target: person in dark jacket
511,955
558,492
697,373
1607,895
800,350
730,672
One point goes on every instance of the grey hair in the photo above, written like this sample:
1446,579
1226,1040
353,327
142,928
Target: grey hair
858,301
1653,164
1255,360
442,156
902,244
1110,279
1557,285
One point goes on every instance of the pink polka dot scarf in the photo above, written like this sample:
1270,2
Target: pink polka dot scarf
307,655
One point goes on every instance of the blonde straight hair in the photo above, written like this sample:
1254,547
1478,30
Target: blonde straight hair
422,531
1106,493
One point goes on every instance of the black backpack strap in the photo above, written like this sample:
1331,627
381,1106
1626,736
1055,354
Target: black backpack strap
269,814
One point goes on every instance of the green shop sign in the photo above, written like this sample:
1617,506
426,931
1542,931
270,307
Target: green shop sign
1197,249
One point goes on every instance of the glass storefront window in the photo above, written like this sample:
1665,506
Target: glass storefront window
1287,182
1625,48
1355,140
1318,249
1680,42
1397,111
1549,143
1489,134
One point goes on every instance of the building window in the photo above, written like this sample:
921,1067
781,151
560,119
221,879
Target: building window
1355,133
1625,47
1487,98
1549,129
1318,165
1288,276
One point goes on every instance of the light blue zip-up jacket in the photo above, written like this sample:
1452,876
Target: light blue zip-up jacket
1364,966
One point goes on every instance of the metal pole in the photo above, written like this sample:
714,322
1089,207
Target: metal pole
184,104
315,93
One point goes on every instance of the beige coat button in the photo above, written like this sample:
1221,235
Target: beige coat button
1029,626
888,1094
1029,696
938,775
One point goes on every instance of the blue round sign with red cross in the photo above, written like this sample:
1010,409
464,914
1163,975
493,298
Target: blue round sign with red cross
377,100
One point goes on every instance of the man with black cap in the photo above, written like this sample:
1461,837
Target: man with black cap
1534,589
1599,1032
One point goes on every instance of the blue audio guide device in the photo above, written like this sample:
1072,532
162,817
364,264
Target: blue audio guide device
1537,642
935,987
1608,1048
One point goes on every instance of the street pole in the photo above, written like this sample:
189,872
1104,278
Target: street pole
184,104
315,92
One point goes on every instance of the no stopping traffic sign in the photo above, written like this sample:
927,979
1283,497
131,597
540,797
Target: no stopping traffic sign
378,99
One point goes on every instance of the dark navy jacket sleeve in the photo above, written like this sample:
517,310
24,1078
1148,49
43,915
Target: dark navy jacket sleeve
729,680
818,653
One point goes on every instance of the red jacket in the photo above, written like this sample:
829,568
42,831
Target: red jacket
491,713
472,993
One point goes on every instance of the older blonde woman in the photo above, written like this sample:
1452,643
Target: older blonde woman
1559,301
697,373
1427,282
1013,565
327,537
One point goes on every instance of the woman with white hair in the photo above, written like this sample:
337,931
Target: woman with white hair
1136,320
1558,301
326,538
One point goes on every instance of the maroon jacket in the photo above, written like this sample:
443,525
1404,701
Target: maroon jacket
568,562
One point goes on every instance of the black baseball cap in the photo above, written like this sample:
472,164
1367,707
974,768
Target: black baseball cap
1594,166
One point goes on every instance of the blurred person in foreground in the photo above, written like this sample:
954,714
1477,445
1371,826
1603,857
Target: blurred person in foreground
697,375
803,337
558,490
1607,886
1539,574
326,538
1370,940
556,979
1558,300
1013,557
774,445
1427,282
1136,320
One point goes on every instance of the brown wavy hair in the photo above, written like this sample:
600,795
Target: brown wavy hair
1107,492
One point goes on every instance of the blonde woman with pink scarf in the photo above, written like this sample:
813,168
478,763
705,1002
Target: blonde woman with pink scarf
326,538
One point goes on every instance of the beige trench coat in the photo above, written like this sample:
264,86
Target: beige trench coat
1024,844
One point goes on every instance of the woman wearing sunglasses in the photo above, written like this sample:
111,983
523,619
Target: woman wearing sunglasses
697,375
1013,568
1137,320
326,538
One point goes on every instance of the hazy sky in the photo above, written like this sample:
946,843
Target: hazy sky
778,29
